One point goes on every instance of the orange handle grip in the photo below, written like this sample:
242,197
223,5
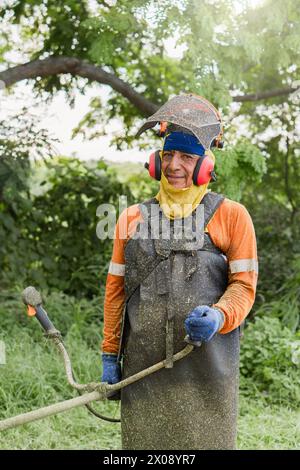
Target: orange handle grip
31,311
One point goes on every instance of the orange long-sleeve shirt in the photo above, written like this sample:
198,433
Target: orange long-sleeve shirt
231,229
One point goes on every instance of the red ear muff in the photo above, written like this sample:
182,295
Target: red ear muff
154,165
204,171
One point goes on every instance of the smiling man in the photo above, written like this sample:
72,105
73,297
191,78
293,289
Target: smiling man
166,291
178,167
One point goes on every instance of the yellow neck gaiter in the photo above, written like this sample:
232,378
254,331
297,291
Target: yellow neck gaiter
177,203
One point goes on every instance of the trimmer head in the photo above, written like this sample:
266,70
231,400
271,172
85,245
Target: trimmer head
31,296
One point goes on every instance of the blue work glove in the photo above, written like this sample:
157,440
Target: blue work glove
111,368
203,322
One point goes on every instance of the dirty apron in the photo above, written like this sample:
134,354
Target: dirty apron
192,405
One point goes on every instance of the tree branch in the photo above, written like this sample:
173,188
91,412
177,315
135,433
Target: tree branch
265,94
59,65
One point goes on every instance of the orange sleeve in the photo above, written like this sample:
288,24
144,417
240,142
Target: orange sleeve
231,229
114,292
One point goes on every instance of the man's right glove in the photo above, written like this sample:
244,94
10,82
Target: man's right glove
111,368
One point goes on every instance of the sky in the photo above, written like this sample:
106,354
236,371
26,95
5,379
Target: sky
60,119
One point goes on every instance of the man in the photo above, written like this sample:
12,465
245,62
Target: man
200,284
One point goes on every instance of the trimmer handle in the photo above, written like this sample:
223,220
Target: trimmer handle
188,340
32,298
44,320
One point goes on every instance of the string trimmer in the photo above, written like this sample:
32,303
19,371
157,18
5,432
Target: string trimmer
92,391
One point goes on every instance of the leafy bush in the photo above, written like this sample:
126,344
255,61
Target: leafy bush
278,244
286,305
238,167
270,362
20,140
52,240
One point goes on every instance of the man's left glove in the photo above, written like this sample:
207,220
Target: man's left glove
111,368
203,322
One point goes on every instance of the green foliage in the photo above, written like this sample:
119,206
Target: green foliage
141,185
276,245
239,167
114,29
20,140
270,361
276,133
274,202
286,305
56,244
62,33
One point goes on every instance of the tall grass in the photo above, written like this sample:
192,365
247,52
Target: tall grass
33,376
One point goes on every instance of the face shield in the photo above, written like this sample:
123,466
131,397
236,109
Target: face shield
191,112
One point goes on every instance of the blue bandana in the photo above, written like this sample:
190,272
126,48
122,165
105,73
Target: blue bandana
187,143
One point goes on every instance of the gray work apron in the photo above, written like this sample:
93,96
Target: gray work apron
192,405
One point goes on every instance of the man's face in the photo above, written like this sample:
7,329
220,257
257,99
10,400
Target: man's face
178,167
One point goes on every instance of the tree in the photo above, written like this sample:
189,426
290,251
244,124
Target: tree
20,142
228,57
